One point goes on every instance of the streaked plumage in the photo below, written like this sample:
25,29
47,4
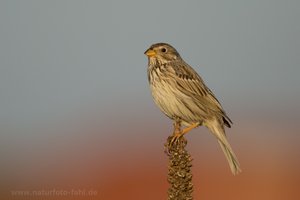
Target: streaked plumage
181,94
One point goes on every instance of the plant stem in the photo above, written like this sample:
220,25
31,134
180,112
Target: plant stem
179,170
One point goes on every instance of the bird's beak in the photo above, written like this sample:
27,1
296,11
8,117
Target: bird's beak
150,53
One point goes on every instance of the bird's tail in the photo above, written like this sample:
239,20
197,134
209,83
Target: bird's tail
219,132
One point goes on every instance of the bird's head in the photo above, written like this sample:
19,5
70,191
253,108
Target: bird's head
162,53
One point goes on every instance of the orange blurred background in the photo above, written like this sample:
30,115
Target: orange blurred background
123,158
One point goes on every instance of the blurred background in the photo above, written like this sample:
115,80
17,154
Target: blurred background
77,113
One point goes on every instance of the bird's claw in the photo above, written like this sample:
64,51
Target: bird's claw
175,139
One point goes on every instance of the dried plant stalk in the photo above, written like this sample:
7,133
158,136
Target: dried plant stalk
179,174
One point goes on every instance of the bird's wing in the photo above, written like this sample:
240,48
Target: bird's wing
191,84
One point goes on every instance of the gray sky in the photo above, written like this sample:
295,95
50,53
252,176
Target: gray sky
58,58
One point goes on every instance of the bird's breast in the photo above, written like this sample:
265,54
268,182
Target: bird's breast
169,99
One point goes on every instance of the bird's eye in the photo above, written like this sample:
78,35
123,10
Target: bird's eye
164,50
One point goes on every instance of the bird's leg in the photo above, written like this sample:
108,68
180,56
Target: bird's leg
179,134
187,129
176,131
177,127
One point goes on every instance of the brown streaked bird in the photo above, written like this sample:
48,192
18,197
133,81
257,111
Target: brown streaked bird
181,94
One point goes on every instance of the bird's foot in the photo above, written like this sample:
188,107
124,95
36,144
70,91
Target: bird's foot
175,138
176,141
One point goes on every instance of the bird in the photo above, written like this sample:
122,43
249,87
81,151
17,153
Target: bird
182,95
